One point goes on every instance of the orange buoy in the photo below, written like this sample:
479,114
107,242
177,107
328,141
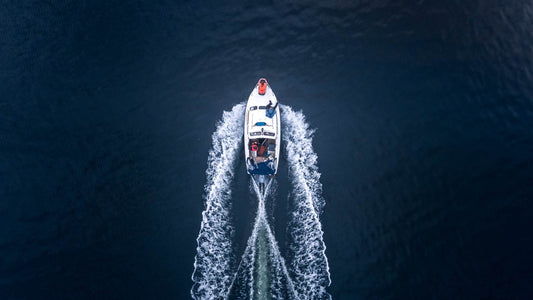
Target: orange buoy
262,86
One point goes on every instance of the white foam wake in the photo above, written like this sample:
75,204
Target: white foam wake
309,267
262,273
213,262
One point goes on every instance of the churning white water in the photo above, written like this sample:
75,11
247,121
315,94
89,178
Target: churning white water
212,265
309,267
262,272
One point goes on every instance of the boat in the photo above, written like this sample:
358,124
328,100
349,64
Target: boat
262,132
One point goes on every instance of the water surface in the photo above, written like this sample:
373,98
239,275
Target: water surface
423,114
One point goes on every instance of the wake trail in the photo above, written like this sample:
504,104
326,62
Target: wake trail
262,273
309,264
213,261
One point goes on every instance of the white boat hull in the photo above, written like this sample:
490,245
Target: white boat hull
263,130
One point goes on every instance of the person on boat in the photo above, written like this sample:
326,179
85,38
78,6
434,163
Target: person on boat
262,86
271,111
262,151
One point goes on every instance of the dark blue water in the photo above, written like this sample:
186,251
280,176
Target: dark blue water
424,118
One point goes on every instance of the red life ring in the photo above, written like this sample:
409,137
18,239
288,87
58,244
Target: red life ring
254,147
